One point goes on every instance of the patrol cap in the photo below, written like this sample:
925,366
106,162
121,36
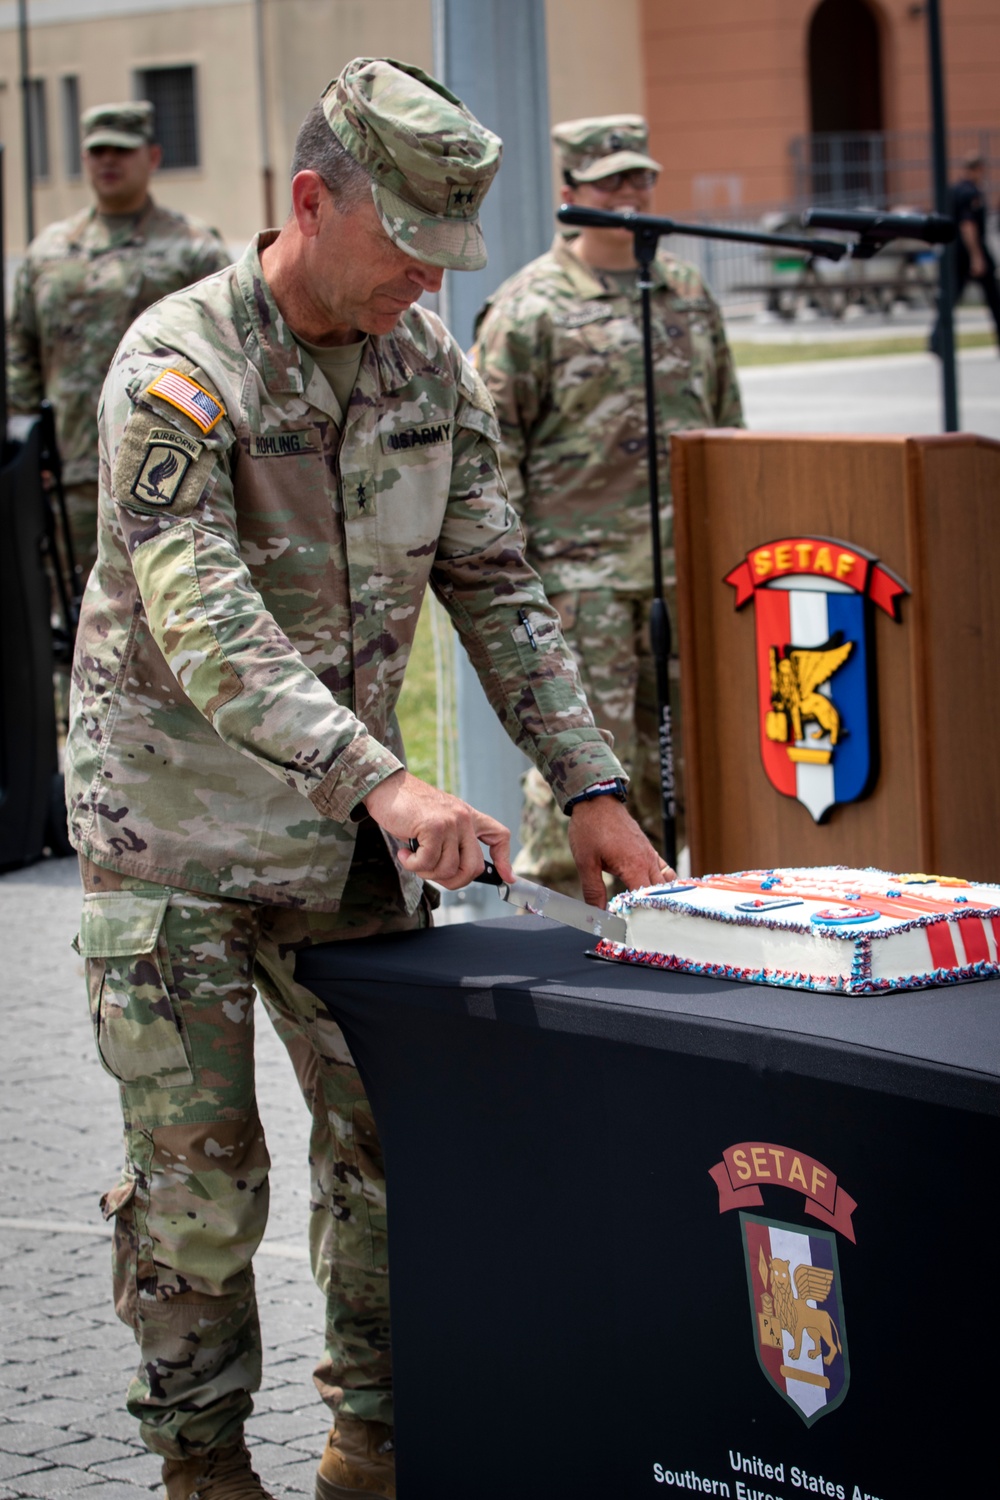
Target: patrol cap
430,160
124,125
594,148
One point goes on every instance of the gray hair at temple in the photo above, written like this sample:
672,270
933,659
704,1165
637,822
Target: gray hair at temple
318,150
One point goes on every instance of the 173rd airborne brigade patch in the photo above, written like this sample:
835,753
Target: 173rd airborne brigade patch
817,711
793,1273
169,454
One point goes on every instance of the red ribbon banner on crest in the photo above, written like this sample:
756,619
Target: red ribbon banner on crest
750,1163
822,557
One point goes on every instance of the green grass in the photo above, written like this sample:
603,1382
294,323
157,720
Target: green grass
782,354
418,705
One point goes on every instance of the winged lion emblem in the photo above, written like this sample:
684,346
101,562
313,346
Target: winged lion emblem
790,1305
795,676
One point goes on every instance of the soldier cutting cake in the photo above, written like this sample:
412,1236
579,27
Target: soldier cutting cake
291,454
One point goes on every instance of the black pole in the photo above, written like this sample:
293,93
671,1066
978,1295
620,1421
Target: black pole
646,230
29,184
948,264
3,325
646,240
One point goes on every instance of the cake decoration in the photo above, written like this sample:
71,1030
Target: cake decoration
762,903
843,916
854,932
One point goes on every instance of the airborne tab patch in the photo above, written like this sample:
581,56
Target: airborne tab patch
189,397
168,457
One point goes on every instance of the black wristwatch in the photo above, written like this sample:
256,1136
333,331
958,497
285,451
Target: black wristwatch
613,787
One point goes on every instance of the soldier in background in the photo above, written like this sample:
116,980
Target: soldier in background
291,453
973,259
559,347
83,281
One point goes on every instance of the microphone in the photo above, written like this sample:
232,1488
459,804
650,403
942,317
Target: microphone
875,226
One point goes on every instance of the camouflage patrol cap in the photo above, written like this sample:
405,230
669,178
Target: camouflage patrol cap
124,125
430,160
595,148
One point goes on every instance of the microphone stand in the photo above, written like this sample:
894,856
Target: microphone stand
646,230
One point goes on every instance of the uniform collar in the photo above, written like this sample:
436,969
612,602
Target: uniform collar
92,233
389,361
585,282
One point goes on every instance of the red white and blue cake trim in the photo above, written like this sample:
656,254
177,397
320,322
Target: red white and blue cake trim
832,929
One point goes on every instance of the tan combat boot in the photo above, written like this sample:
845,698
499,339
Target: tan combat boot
222,1474
358,1460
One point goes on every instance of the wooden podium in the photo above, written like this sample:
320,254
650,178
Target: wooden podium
764,524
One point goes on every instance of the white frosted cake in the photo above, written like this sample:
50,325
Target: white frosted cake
858,932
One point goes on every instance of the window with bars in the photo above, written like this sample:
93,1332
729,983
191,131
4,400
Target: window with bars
171,91
38,124
70,90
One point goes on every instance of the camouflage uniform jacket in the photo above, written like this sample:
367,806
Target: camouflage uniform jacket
77,290
246,628
560,349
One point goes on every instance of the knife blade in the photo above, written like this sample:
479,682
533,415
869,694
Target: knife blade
542,902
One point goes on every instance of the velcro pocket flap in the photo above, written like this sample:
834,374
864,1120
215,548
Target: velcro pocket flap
478,420
119,1197
119,924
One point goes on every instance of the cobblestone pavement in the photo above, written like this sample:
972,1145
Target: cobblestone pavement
65,1360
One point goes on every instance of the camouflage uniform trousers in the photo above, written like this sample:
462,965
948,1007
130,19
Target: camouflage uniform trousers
608,633
171,977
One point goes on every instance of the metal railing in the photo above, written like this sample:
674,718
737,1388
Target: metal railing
883,168
744,278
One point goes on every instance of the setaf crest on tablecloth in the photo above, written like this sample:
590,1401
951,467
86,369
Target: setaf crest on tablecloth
792,1271
798,1316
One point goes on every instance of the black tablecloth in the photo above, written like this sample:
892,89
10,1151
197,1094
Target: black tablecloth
942,1045
575,1308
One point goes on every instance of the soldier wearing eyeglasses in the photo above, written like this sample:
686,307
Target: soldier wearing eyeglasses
559,346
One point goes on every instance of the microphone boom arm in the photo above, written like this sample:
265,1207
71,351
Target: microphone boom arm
599,218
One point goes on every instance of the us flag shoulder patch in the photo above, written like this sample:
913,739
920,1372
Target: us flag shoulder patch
189,397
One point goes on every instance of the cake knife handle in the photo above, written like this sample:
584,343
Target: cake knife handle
488,875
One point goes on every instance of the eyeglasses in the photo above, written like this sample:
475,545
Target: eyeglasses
639,177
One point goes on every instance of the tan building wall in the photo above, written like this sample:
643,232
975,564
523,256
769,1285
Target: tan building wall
725,84
306,42
727,87
218,40
595,68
